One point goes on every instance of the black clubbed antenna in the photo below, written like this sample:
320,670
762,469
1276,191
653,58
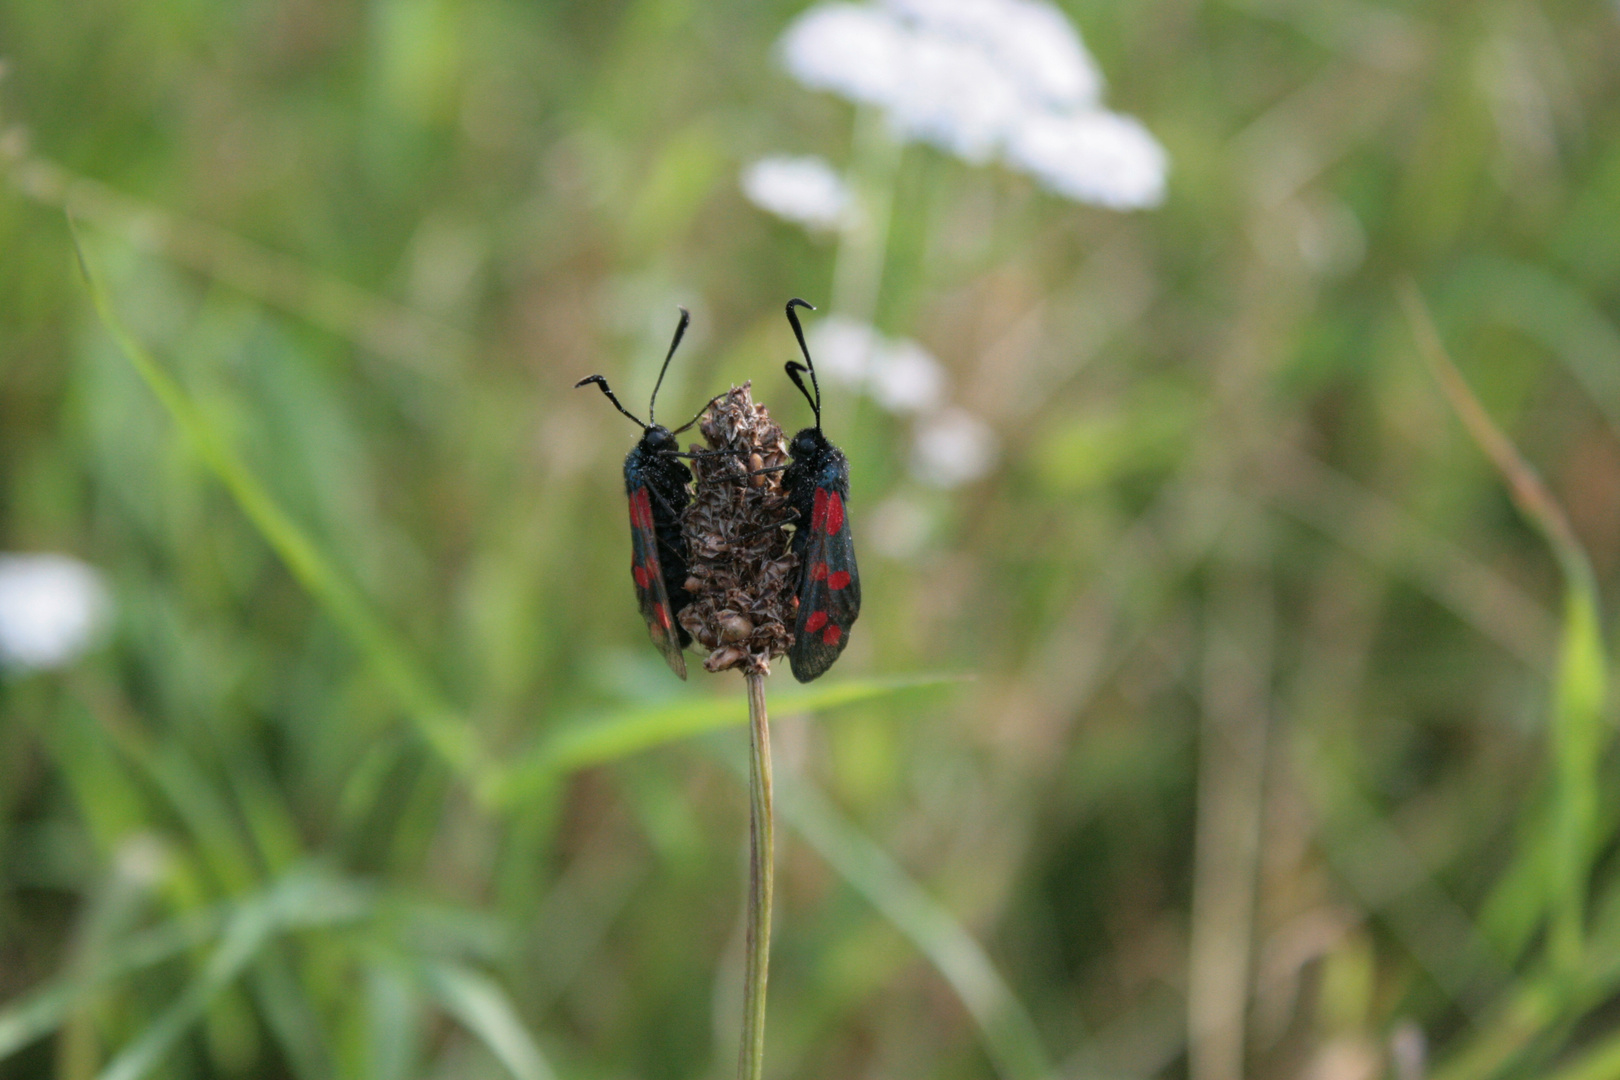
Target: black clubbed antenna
603,386
680,332
794,367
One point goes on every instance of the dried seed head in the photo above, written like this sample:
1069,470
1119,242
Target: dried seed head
738,559
734,628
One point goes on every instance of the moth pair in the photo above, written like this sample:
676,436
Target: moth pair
817,486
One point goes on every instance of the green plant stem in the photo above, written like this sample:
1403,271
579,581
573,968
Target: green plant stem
863,244
761,882
1578,732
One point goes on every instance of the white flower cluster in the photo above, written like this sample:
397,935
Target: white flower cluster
803,190
953,448
982,78
51,608
950,445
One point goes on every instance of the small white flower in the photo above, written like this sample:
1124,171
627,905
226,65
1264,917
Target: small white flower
901,375
905,378
1040,44
898,527
803,190
1096,157
955,97
143,860
1032,42
844,349
982,78
855,51
51,607
953,448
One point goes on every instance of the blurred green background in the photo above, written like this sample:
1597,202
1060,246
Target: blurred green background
1286,748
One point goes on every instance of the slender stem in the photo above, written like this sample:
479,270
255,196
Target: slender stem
761,882
863,244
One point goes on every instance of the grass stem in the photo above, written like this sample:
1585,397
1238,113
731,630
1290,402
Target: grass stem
761,882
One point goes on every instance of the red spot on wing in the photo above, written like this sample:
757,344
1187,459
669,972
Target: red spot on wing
641,510
835,511
661,615
818,513
832,635
818,572
815,622
641,575
837,580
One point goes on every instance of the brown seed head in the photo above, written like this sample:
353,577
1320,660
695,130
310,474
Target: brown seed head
735,628
738,559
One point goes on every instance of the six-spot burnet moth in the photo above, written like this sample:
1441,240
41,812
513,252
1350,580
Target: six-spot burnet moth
656,482
817,483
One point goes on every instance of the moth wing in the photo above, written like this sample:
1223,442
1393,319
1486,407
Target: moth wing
829,591
648,572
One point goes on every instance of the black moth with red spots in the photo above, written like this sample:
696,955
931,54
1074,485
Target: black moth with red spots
656,482
817,483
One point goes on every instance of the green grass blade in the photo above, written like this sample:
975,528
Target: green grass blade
246,932
597,741
109,800
1554,312
1511,912
442,726
1580,731
1518,1027
483,1009
201,808
393,1027
42,1011
1008,1033
1578,728
301,900
289,1014
1600,1062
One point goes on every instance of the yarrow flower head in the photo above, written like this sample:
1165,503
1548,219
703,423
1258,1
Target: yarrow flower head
1031,42
803,190
740,567
900,374
1094,157
981,79
51,608
953,448
950,446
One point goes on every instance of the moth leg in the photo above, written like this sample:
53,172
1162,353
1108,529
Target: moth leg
792,514
695,454
699,415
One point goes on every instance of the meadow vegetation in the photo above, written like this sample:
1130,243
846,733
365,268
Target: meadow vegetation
1237,708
